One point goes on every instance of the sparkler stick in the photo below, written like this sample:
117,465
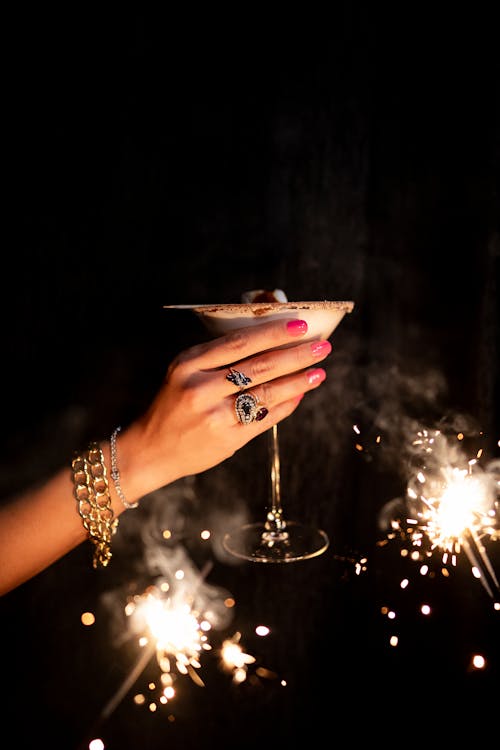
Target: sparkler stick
131,678
475,551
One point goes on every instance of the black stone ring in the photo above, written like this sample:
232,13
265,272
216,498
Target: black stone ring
238,378
247,411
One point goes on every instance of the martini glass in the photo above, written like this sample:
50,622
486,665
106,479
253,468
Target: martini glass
275,539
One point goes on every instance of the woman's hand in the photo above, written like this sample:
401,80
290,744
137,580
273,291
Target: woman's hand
192,424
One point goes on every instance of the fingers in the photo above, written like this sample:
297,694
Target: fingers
256,374
266,362
244,342
274,364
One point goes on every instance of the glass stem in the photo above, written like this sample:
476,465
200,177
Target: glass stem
275,522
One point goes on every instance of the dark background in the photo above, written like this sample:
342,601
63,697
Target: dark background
152,162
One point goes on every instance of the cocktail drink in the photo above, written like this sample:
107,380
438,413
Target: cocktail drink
275,539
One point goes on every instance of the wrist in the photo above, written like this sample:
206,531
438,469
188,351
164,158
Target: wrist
115,473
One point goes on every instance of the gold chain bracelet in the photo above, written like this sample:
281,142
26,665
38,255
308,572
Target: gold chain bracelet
91,491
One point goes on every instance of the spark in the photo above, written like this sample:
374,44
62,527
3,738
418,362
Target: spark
262,630
87,618
234,659
478,661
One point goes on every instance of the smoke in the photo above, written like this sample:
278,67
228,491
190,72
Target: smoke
379,408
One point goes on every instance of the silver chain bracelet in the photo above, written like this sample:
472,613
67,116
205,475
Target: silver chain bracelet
114,473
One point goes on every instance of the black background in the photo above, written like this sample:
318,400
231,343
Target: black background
150,161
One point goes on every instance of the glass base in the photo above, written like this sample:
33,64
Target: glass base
255,543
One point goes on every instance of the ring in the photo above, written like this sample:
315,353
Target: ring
238,378
246,408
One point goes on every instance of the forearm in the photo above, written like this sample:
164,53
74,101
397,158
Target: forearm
40,526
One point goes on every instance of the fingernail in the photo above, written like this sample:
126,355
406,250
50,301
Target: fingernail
315,377
321,348
296,327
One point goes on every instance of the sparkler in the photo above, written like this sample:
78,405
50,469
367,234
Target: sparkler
173,620
449,513
178,631
452,505
169,623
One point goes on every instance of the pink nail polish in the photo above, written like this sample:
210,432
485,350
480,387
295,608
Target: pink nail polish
321,348
296,327
315,377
